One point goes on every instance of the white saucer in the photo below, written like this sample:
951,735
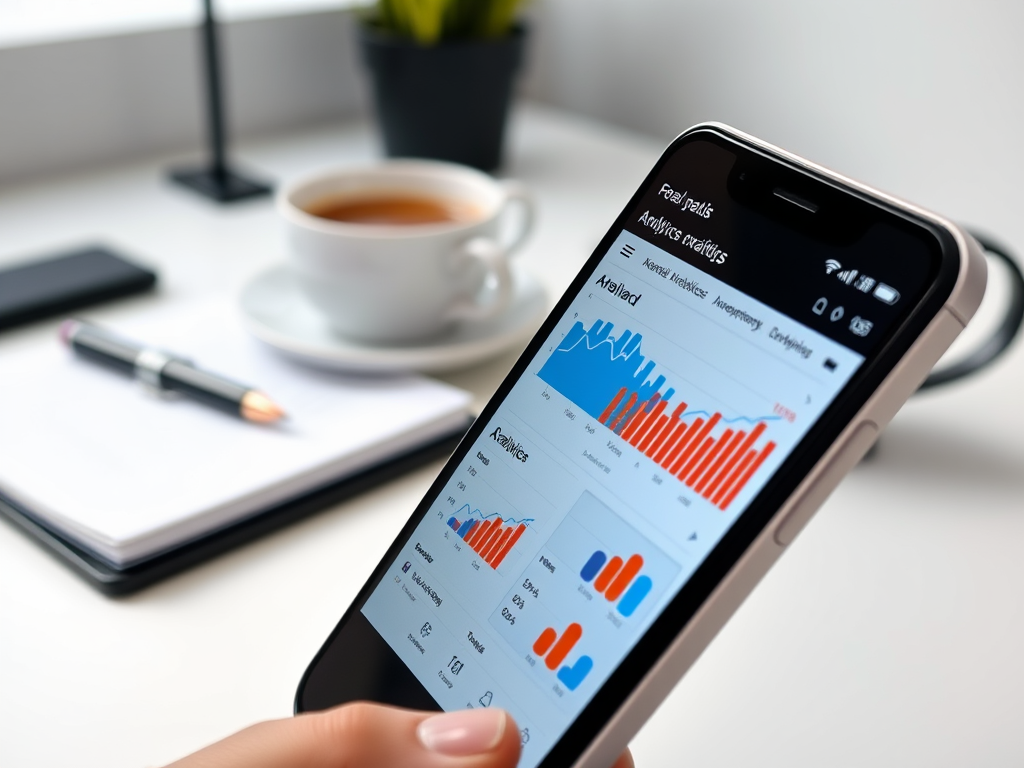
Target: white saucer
275,311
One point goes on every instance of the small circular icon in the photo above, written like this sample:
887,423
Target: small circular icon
837,314
860,326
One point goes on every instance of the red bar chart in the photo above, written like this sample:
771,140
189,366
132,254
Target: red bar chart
717,466
554,650
609,377
614,576
491,538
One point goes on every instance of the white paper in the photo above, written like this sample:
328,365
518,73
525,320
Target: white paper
128,474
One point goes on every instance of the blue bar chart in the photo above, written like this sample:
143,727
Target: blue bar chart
575,607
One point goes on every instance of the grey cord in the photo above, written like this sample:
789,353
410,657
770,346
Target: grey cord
1003,336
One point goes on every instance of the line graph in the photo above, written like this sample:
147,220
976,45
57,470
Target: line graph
610,379
489,535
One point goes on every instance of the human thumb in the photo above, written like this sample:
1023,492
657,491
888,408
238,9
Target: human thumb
365,735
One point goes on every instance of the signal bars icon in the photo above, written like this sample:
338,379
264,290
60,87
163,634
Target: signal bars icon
848,275
884,293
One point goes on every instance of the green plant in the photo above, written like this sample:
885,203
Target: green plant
430,21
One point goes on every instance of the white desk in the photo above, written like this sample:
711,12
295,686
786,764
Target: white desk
890,635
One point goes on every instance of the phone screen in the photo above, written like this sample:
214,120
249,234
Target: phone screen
707,338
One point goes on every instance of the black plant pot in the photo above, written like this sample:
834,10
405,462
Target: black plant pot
445,102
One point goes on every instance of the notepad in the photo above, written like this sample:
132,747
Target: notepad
126,474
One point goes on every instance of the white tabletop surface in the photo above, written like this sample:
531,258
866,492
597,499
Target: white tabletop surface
891,634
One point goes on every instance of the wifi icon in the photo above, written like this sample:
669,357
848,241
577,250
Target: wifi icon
831,266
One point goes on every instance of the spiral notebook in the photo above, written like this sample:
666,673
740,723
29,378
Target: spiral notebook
122,477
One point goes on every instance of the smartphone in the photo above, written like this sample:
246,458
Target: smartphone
728,353
57,284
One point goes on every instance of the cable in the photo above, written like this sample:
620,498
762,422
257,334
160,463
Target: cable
1003,336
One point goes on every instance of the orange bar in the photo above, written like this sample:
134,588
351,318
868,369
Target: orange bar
737,455
654,423
508,545
696,448
492,536
545,641
672,430
656,434
648,407
729,450
746,476
636,414
499,545
605,576
624,411
626,575
660,434
672,463
709,457
611,406
695,457
724,488
478,542
563,646
635,421
485,542
496,547
473,526
477,532
643,437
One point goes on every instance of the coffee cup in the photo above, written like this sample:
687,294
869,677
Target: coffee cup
401,250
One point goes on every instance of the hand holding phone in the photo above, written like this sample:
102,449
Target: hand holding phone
734,345
366,735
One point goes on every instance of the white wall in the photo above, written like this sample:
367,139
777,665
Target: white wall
86,102
921,97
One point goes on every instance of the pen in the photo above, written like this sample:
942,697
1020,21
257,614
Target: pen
164,372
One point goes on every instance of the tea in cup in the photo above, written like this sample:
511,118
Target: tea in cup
400,251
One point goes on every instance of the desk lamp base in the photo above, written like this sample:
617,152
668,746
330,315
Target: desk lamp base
221,185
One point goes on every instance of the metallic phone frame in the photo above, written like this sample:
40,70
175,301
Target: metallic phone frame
599,735
851,445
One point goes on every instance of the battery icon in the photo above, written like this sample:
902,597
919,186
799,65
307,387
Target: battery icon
886,293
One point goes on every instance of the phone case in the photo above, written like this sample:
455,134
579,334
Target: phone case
846,451
59,284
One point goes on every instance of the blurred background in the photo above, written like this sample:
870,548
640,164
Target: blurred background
919,97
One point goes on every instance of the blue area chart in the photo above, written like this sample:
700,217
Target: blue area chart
610,379
591,366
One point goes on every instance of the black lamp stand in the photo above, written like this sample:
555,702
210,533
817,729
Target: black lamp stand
217,181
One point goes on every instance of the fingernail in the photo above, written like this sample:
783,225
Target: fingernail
466,732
